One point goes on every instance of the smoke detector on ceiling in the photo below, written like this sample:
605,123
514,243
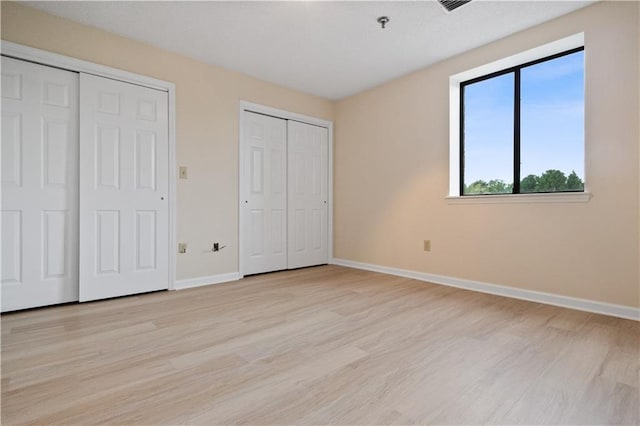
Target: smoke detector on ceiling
451,5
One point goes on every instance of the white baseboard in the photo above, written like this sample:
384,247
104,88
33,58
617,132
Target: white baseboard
202,281
610,309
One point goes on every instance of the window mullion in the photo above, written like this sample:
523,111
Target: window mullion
462,139
516,131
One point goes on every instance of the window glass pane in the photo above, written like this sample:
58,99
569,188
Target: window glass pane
488,136
552,125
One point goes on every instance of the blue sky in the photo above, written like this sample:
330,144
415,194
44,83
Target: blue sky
552,121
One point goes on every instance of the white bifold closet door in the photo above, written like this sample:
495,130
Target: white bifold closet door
283,204
124,210
307,152
39,185
263,214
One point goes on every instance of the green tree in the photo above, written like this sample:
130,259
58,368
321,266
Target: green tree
498,186
494,186
529,183
574,183
477,187
551,181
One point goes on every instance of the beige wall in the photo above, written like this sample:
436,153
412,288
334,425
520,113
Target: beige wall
207,124
391,174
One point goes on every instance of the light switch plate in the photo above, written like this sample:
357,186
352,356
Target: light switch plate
183,172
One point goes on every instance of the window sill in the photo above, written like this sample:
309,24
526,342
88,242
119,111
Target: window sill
561,197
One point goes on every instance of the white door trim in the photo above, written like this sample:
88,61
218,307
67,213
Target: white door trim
43,57
287,115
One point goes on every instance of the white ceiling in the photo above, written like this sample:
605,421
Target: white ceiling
330,49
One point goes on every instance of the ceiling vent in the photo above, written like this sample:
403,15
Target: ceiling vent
452,5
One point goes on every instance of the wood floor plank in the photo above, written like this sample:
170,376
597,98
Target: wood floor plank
319,345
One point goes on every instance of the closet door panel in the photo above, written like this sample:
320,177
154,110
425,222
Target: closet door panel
124,172
307,194
39,185
263,210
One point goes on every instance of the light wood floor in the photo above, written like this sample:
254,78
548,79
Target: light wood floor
319,345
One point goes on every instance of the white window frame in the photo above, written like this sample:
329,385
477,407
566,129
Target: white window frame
454,197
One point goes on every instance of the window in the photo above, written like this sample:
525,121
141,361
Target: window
521,129
547,135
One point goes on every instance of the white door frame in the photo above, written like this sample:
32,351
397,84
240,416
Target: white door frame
286,115
43,57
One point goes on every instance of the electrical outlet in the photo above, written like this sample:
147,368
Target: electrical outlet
427,245
182,247
183,172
